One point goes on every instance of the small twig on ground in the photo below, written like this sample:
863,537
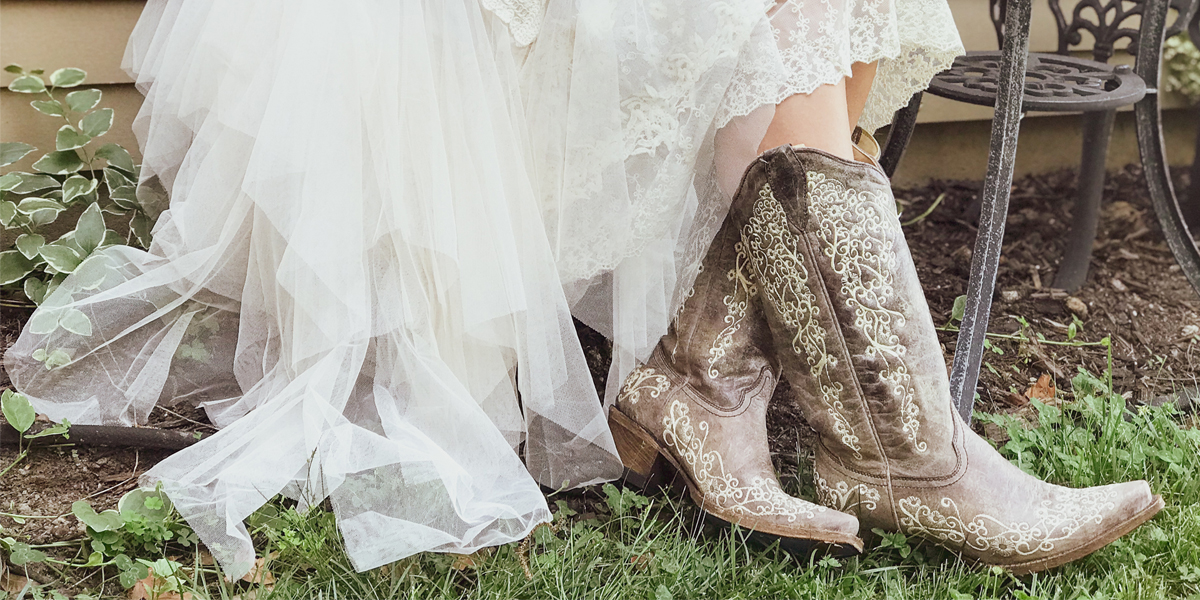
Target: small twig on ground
179,416
523,548
105,435
928,211
137,456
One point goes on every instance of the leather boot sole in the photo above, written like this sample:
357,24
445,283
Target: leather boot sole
1100,541
649,466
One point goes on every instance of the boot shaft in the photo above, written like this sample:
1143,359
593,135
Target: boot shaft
719,341
841,292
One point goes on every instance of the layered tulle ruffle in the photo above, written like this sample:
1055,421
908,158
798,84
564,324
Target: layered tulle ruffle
383,214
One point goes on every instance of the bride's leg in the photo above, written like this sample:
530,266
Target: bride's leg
858,87
853,335
824,118
816,120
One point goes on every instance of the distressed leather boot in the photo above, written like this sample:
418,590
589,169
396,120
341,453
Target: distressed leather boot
854,337
696,411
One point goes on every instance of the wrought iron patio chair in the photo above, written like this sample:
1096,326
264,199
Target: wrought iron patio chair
1058,83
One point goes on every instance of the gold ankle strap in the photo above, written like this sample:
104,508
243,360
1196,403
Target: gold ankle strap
866,149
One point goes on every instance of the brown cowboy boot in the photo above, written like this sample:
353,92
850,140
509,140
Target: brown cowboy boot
856,341
698,409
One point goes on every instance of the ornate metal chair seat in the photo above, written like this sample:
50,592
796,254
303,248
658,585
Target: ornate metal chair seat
1053,83
1060,83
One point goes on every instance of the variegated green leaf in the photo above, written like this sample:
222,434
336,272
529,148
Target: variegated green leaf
97,123
61,258
53,108
44,216
11,152
59,163
68,77
29,205
76,186
14,266
116,156
76,322
141,225
8,210
69,139
33,182
27,84
89,233
35,290
29,244
83,100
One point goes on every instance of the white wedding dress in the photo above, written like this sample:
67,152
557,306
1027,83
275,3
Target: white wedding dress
385,212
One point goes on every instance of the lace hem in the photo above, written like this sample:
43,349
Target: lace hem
523,17
790,49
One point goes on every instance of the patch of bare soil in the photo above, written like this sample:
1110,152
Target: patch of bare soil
1135,293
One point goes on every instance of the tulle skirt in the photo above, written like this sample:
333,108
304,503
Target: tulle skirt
383,214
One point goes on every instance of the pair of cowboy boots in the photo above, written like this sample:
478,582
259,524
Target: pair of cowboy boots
810,277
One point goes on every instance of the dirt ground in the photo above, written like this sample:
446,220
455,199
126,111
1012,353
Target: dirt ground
1135,293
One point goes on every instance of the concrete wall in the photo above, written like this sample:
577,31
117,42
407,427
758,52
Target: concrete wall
951,142
88,34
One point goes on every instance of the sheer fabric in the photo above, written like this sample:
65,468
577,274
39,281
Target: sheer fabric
383,212
649,111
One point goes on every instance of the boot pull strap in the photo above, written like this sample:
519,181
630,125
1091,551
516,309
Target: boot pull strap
789,184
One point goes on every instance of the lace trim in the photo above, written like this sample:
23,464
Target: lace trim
853,226
761,497
774,252
1058,519
701,73
643,379
929,45
523,17
816,43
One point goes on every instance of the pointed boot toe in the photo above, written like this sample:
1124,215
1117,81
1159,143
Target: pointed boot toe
992,512
1123,507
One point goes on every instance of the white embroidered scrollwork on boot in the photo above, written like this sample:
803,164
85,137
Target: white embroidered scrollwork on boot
825,247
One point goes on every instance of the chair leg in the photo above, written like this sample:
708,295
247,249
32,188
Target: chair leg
1072,271
899,135
1158,181
1191,208
1006,124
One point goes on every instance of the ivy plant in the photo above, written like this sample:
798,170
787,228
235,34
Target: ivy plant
142,527
19,414
1181,67
100,178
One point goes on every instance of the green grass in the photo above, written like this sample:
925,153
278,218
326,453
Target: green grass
630,546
